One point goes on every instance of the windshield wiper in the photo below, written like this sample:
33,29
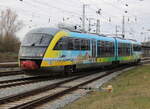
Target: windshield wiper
41,40
36,42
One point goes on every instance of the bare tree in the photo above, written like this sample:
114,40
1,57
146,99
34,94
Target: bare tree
9,25
9,22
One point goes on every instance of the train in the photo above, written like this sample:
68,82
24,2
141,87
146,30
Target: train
55,49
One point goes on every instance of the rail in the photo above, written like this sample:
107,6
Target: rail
37,91
54,96
11,72
8,64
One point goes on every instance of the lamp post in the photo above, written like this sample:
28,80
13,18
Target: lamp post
123,27
83,18
90,19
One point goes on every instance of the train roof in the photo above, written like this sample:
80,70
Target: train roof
136,42
119,39
51,31
123,40
91,36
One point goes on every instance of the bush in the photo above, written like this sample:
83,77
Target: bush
11,43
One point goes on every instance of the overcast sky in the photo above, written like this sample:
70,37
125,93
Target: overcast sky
137,16
43,13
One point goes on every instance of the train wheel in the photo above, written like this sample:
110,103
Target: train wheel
115,64
69,69
137,62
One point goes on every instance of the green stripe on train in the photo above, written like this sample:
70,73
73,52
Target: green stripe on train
126,58
106,59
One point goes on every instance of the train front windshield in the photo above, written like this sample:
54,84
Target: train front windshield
35,44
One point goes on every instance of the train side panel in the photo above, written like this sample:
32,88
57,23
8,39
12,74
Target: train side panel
137,52
126,51
80,58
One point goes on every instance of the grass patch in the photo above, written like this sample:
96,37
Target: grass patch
8,57
131,90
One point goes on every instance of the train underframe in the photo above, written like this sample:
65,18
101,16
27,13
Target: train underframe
33,66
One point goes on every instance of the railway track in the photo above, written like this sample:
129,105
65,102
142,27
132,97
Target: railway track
41,95
145,58
28,80
38,90
50,92
8,64
145,61
10,68
23,81
11,72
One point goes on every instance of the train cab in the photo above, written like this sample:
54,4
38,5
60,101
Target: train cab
33,47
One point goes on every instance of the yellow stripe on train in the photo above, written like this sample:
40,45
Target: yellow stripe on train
56,63
50,53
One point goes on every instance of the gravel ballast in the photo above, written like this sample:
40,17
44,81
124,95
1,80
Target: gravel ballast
69,98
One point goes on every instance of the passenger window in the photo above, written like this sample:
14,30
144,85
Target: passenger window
119,49
88,44
136,47
61,44
85,44
124,49
77,44
98,48
70,44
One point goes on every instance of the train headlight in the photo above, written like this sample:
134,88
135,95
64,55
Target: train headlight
40,54
22,54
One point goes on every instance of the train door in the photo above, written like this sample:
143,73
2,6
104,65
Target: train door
93,48
116,49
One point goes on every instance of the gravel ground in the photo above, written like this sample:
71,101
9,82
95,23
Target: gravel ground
9,69
28,99
18,89
14,77
62,101
69,98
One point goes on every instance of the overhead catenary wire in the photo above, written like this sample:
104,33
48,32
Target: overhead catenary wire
76,13
55,7
72,14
